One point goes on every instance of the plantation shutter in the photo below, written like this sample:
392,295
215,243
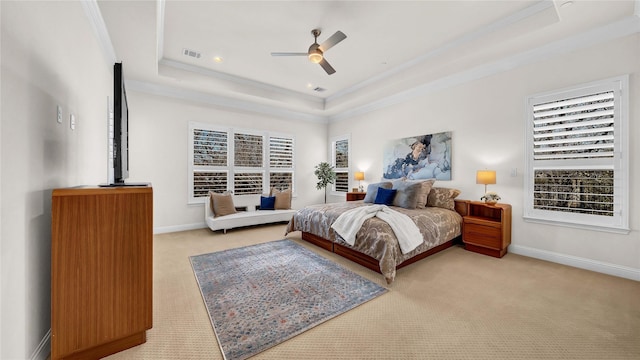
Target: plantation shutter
280,153
209,148
245,183
574,128
341,165
281,162
248,164
248,150
244,162
210,152
575,162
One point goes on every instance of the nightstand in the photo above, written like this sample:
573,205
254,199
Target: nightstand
487,228
353,196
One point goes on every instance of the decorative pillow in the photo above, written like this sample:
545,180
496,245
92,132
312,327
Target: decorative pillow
384,196
222,204
267,202
407,195
372,190
442,197
283,199
423,194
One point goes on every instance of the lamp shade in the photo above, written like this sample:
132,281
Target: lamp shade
358,176
486,177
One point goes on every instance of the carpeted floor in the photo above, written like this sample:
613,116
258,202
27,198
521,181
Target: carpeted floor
452,305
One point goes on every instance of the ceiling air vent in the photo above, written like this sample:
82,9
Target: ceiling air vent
191,53
319,89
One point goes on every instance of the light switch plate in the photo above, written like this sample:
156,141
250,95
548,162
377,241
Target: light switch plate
72,122
59,114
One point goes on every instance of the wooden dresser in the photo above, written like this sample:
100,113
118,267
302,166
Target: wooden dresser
487,228
101,270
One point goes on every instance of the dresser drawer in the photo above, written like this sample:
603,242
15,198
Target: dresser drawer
482,235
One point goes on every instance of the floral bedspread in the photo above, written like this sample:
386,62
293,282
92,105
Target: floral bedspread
375,238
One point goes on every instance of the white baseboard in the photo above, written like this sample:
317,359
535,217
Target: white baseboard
582,263
43,349
176,228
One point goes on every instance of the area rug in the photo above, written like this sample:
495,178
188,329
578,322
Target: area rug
259,296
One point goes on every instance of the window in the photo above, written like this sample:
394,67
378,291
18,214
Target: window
241,161
577,156
280,161
340,163
209,155
248,164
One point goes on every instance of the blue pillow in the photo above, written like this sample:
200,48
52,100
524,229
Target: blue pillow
385,196
267,202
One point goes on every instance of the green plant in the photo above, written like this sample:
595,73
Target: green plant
326,175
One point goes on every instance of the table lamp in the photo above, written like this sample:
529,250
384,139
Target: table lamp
486,177
359,175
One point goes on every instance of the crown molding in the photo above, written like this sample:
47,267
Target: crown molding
222,101
94,15
535,9
624,27
242,81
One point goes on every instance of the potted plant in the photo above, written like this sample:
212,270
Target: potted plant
326,175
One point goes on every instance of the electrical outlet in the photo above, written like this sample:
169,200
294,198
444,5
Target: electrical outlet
59,114
514,172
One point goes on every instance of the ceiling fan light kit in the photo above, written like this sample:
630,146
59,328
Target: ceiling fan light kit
315,55
316,52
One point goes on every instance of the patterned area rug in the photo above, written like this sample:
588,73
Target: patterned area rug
261,295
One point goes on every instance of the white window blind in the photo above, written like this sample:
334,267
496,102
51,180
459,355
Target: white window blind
205,181
243,162
340,162
577,146
248,150
580,127
281,162
209,148
246,183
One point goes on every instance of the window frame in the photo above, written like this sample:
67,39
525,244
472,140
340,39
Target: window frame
345,170
619,163
231,169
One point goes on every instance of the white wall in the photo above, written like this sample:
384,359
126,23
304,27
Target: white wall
49,57
487,118
159,128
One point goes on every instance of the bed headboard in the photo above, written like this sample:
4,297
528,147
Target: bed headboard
462,207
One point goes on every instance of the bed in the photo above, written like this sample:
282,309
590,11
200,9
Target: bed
376,245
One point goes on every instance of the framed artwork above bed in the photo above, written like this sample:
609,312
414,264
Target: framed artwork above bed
418,157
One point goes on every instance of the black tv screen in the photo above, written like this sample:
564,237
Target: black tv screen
120,127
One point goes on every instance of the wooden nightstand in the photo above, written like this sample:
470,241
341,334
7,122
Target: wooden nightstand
353,196
487,228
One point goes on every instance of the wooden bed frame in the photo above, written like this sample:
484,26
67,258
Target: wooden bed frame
461,207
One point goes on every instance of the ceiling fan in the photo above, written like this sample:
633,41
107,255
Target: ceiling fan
316,52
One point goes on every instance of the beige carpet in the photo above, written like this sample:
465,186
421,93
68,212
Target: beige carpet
452,305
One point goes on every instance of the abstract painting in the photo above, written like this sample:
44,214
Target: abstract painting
418,157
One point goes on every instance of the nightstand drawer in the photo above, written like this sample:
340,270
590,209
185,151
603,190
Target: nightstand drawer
488,236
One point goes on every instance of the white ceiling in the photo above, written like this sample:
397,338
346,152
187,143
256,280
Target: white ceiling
391,46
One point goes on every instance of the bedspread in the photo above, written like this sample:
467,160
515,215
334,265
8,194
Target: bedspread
376,238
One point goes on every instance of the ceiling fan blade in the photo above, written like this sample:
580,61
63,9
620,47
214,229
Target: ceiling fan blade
288,54
332,40
328,68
